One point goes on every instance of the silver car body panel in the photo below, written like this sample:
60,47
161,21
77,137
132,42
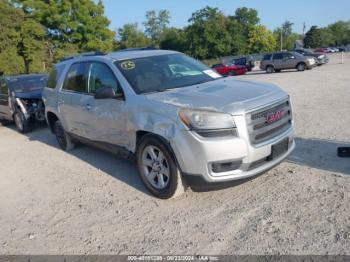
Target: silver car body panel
117,121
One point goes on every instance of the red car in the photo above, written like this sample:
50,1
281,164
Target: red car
320,50
230,69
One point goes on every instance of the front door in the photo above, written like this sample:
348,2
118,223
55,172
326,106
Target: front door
108,116
289,60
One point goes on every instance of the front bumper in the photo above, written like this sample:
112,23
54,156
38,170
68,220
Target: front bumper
323,60
196,154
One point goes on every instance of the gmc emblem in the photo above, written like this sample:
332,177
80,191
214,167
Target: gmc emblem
273,117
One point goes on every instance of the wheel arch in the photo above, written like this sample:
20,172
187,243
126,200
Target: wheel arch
301,63
141,134
51,119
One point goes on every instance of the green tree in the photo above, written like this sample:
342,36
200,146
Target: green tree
10,61
260,40
238,38
318,37
21,41
340,32
31,46
72,25
239,26
129,36
207,35
174,39
247,16
155,25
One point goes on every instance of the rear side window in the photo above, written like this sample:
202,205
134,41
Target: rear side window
278,56
54,75
102,76
76,78
267,57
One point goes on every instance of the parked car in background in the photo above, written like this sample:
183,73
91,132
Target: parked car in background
320,58
332,50
21,101
276,62
230,69
320,50
247,61
194,130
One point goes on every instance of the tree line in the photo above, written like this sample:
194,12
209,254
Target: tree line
37,33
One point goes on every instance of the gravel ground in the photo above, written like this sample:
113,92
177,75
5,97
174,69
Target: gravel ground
91,202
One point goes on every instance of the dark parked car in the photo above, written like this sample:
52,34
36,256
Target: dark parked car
230,69
247,61
286,60
21,101
321,58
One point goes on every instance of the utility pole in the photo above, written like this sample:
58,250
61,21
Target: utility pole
281,40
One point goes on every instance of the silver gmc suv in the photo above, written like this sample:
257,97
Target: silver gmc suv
185,124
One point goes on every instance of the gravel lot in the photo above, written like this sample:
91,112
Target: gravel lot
91,202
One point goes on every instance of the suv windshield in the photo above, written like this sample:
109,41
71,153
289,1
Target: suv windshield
27,84
159,73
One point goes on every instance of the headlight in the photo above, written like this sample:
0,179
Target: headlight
206,120
311,60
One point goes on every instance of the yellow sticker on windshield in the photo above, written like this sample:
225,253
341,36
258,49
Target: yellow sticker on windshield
128,65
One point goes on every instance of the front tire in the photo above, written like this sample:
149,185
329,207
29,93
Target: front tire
158,169
301,67
22,124
63,139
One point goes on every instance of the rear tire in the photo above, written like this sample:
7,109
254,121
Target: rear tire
301,67
23,125
158,169
269,69
64,140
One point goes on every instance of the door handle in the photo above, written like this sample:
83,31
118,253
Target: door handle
88,107
60,102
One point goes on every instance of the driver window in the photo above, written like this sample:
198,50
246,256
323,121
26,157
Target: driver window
101,75
290,56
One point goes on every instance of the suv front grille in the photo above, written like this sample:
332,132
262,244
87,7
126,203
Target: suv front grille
260,127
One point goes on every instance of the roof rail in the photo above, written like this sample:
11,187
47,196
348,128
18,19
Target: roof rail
82,54
138,49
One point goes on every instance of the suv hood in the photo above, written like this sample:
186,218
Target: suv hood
224,95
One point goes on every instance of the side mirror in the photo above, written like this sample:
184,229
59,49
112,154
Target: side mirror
107,93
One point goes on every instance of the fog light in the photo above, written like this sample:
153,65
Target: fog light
225,166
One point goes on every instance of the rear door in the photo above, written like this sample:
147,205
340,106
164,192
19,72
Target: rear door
108,116
278,60
5,112
74,100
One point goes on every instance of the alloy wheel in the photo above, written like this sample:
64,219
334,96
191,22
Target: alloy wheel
155,167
